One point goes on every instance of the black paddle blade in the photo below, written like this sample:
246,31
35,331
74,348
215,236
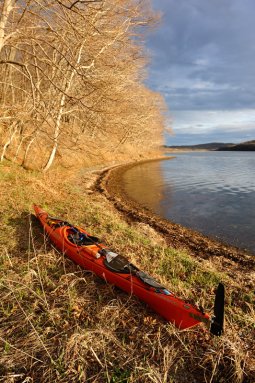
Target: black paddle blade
218,319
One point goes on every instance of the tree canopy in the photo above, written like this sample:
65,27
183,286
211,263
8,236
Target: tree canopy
72,81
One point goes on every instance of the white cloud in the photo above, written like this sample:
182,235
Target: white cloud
207,121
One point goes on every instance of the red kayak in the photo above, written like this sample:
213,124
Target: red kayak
89,253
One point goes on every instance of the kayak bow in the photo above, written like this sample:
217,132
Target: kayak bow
89,253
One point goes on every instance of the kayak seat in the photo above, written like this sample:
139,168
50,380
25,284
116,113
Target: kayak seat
118,264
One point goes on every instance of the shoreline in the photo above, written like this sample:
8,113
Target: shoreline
74,312
177,236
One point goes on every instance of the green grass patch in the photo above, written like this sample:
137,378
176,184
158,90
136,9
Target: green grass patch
61,324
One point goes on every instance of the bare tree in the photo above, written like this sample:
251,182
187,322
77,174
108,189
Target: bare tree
72,77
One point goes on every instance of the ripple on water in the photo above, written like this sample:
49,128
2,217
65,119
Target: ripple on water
212,192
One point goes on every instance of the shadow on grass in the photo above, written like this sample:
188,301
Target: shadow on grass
29,234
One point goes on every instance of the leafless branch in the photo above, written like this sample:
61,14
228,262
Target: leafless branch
78,2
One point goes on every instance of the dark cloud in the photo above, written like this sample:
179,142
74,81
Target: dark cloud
203,54
204,99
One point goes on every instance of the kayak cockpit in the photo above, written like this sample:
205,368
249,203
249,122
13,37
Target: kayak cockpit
79,238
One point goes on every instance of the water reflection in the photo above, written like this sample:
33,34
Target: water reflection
212,192
144,183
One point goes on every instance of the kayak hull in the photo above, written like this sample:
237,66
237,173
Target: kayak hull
175,310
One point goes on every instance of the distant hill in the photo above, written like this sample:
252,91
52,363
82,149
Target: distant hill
243,146
208,146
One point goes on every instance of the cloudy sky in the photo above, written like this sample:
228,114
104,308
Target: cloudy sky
203,62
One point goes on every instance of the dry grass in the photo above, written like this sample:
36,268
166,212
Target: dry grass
59,323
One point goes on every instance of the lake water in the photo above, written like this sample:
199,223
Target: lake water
211,192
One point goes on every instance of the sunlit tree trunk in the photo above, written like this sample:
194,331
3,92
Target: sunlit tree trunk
6,10
61,111
27,150
8,142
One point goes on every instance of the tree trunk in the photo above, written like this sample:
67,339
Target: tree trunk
27,150
60,113
6,10
56,134
8,142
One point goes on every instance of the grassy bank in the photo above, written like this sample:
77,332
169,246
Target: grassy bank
59,323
